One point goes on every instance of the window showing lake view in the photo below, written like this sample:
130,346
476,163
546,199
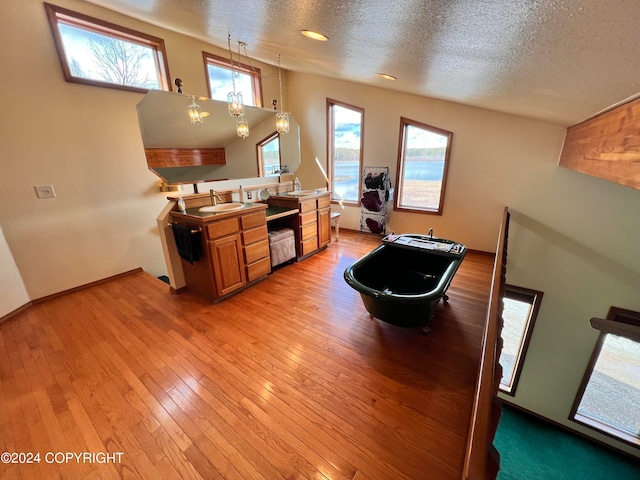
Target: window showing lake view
422,167
345,125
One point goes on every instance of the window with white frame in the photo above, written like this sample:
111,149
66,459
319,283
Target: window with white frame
345,125
220,79
423,160
95,52
608,399
521,306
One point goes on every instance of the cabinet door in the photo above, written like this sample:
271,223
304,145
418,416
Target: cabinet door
228,265
324,227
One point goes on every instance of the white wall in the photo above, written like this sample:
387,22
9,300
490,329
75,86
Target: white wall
13,293
575,240
494,156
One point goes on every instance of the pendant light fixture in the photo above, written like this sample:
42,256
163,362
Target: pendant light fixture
234,99
195,112
282,117
242,126
236,107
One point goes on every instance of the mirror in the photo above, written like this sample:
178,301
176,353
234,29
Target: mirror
192,153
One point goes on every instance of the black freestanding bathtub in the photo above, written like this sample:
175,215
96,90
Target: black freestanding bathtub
399,280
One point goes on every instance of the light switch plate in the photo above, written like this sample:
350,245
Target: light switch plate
45,191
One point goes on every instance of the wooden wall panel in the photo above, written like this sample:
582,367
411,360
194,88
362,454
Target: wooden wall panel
184,157
607,146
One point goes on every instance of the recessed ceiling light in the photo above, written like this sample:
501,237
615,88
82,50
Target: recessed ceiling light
314,35
386,76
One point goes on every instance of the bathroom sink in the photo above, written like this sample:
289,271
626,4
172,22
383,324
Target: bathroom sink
222,207
301,193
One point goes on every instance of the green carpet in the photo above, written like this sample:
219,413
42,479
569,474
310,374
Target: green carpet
531,449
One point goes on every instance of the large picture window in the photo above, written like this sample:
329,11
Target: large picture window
220,79
608,399
345,124
423,159
98,53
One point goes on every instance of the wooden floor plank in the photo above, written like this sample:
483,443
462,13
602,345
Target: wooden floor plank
319,402
244,382
290,378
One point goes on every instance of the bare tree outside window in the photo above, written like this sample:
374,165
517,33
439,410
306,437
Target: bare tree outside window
120,62
102,54
76,68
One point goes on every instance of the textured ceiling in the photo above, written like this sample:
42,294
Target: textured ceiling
561,61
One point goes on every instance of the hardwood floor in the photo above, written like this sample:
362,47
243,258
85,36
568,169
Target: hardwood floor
288,379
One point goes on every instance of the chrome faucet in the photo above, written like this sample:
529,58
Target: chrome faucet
214,197
431,233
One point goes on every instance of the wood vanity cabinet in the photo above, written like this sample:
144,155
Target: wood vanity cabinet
313,225
235,253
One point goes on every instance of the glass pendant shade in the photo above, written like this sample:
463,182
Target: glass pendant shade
195,112
236,106
242,126
282,118
282,122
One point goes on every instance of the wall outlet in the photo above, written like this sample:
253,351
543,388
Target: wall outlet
45,191
249,195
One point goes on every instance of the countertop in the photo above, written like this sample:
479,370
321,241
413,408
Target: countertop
302,196
272,212
195,214
279,212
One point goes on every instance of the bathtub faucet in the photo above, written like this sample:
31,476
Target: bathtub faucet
431,233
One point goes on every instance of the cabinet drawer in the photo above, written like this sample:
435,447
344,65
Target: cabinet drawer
223,227
254,220
254,235
306,218
258,269
256,251
324,201
307,205
310,230
310,245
